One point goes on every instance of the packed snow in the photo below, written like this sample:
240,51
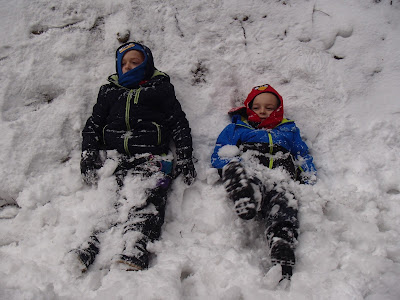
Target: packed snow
337,66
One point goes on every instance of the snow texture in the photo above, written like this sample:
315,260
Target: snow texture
337,65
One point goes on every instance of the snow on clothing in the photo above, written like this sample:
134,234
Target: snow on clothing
284,138
138,115
141,225
274,142
271,136
141,120
275,208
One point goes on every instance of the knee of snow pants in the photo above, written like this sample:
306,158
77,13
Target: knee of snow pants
148,220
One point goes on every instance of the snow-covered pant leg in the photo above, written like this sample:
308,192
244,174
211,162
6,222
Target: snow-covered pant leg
142,226
281,229
240,190
281,219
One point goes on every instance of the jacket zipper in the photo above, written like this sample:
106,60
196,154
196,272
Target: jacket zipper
127,111
271,149
158,133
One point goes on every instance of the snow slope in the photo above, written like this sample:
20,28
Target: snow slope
337,65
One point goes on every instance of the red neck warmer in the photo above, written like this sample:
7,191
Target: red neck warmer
276,116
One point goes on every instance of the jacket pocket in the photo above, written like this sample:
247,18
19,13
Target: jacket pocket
144,137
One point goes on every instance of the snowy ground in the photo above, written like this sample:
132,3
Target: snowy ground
337,65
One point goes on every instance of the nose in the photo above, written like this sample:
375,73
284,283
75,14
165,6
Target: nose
128,66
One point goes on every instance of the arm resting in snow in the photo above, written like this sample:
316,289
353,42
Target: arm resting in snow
225,149
181,135
92,140
92,133
301,152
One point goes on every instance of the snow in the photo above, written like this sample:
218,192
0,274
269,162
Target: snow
228,151
337,65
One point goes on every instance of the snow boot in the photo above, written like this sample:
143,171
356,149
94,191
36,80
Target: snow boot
87,255
136,259
133,263
239,190
282,253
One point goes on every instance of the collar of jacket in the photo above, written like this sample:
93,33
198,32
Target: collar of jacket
114,78
242,121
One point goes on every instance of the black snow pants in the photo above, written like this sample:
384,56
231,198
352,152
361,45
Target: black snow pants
277,207
143,223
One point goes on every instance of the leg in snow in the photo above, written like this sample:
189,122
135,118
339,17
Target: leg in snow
87,252
143,226
240,190
281,230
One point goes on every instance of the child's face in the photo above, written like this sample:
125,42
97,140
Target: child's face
131,60
264,104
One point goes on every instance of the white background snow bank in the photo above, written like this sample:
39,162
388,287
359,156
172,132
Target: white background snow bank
337,65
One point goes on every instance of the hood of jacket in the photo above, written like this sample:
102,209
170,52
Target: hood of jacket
273,120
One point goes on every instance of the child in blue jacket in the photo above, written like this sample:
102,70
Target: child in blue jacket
258,140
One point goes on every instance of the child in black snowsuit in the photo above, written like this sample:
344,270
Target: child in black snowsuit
136,114
258,140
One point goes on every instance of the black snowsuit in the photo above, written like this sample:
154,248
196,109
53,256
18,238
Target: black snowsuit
140,120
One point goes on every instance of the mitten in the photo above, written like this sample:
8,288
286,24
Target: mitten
90,162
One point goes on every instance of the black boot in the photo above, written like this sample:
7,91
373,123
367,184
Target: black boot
137,259
88,254
239,190
133,263
282,253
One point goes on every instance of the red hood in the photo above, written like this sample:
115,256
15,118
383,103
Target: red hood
276,116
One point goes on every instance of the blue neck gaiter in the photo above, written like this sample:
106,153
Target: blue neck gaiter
134,76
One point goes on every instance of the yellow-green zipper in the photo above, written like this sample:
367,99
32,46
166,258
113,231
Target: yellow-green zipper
271,149
127,112
158,133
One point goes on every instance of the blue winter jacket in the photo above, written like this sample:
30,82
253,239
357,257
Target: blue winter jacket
285,137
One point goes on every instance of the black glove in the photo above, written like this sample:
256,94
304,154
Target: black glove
184,164
186,167
90,162
308,178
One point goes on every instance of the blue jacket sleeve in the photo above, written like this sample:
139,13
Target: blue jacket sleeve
226,137
301,153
